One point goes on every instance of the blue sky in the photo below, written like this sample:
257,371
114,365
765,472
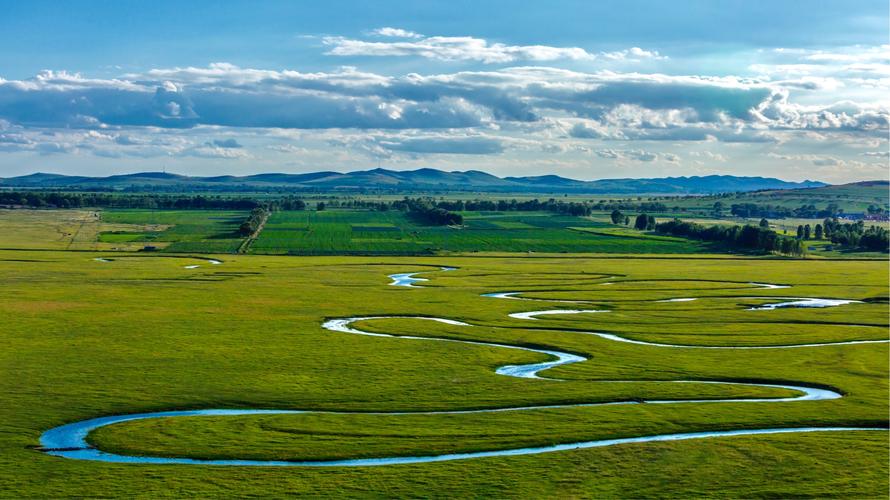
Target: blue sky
583,89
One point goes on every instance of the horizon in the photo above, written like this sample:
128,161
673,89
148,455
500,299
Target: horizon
632,90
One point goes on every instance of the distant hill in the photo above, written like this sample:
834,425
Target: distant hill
853,197
413,180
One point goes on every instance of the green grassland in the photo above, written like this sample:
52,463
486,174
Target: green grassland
141,333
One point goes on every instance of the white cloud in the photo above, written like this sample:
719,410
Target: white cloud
395,33
468,48
708,156
587,131
517,117
876,154
631,154
823,161
210,150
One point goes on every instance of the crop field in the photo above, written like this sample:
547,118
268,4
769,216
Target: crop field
71,230
394,233
137,333
357,232
124,230
183,230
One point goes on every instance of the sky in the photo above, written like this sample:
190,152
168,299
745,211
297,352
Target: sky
588,90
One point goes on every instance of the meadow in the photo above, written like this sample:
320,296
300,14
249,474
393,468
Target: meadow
149,332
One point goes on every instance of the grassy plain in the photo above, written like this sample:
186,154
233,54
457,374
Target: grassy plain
141,333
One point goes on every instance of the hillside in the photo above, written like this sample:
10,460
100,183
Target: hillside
412,180
856,195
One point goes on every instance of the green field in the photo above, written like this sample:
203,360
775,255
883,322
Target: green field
187,230
357,232
394,233
142,333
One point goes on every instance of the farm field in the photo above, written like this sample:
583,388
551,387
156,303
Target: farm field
144,333
121,230
186,230
69,230
392,232
358,232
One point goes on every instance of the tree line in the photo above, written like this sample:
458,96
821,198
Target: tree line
427,212
855,235
746,237
254,221
58,199
55,199
778,211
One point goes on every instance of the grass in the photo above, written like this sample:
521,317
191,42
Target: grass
73,230
392,233
185,230
347,232
850,198
121,230
85,338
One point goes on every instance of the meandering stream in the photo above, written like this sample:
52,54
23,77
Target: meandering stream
70,440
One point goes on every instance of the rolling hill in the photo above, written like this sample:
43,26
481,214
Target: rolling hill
412,180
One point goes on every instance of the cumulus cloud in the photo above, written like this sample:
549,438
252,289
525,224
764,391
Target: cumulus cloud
226,95
531,109
630,154
395,33
708,156
821,160
467,48
860,70
585,131
210,150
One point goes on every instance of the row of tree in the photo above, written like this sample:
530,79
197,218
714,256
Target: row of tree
778,211
743,237
286,203
56,199
576,208
254,221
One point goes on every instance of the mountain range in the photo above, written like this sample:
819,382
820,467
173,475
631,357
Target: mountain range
424,179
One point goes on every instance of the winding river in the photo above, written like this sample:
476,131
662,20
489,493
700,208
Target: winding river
70,440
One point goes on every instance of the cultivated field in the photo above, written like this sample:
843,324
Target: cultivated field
360,232
143,333
394,233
